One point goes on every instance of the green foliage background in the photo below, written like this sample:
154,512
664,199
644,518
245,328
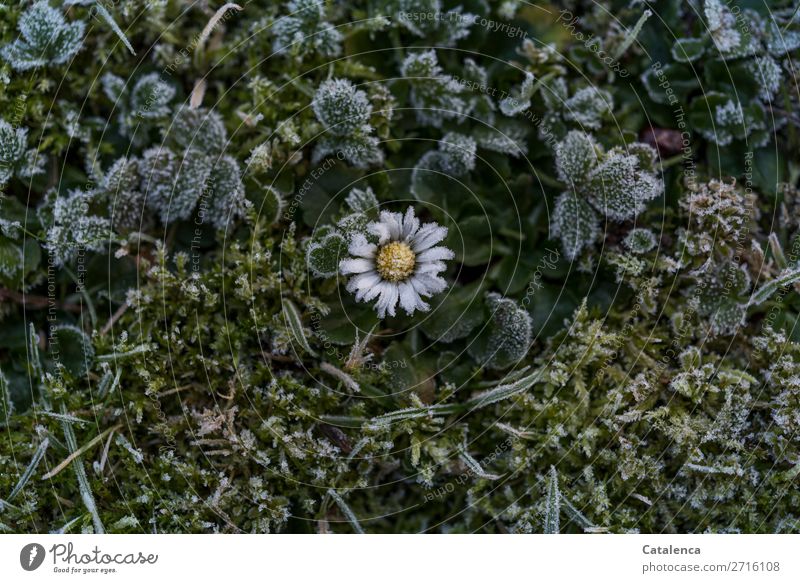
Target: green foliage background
618,349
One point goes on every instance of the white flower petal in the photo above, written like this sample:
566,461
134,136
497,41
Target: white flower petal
393,222
429,235
348,266
388,299
380,230
430,267
435,254
427,285
377,290
360,247
419,287
410,224
410,300
362,283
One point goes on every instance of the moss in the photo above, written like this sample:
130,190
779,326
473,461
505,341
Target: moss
175,325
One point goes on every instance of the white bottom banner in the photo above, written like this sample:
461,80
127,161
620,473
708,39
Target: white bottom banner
390,558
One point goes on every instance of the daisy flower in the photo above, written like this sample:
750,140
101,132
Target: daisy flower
403,266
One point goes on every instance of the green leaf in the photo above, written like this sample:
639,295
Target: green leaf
455,315
71,347
507,336
323,256
293,322
687,50
763,293
471,239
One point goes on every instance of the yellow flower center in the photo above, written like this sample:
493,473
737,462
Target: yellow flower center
395,261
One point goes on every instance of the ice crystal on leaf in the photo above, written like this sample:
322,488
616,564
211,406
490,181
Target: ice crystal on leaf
507,337
575,223
436,96
15,157
588,106
619,188
304,30
46,38
575,156
345,112
126,202
72,227
617,184
640,241
341,108
445,30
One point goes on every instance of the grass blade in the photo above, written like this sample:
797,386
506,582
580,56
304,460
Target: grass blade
552,511
295,325
29,471
346,511
77,452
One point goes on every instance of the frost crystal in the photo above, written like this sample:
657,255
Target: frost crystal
509,334
575,223
150,97
588,106
620,189
575,156
304,31
449,27
455,156
618,184
341,108
722,25
73,229
345,112
640,241
126,202
47,38
435,95
768,73
15,157
198,129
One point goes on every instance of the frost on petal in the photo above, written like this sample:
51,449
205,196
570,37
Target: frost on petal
430,267
427,285
410,300
410,224
376,290
393,222
388,299
380,230
362,283
435,254
427,237
360,247
349,266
